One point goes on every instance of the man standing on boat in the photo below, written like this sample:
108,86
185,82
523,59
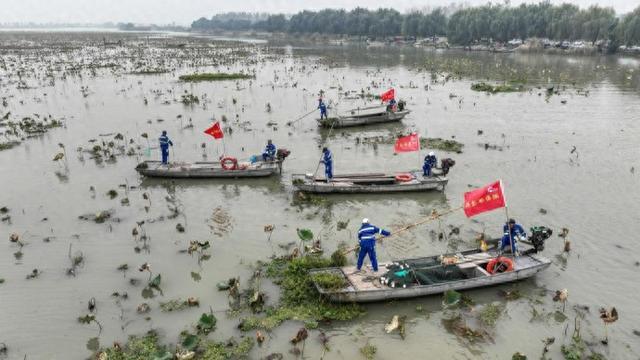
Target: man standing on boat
367,237
269,153
512,232
327,160
164,146
323,109
430,161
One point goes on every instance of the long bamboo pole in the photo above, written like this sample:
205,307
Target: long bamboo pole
434,216
302,117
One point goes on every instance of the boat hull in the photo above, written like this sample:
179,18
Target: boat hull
526,267
336,186
204,170
349,121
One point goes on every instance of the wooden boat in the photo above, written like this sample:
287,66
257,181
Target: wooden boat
225,168
471,268
207,169
369,183
364,116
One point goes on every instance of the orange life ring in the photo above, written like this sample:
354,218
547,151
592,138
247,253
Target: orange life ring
404,177
229,163
500,265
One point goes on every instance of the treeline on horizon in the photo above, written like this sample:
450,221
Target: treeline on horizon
461,26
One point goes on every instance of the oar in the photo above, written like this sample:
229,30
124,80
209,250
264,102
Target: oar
434,215
302,117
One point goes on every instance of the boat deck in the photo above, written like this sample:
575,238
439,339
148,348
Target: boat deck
365,280
369,280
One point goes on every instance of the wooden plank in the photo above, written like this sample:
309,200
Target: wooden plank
360,175
379,180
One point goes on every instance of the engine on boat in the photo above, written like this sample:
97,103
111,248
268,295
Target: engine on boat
538,236
282,154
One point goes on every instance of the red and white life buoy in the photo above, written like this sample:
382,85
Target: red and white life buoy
229,163
404,177
499,265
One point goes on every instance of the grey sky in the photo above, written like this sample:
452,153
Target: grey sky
184,11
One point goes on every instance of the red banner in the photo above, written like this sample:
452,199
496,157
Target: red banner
407,143
484,199
215,131
389,95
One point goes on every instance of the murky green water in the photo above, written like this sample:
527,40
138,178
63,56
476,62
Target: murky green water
593,191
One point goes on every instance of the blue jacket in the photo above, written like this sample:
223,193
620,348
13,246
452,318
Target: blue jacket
367,234
164,141
270,150
517,230
327,159
430,160
322,106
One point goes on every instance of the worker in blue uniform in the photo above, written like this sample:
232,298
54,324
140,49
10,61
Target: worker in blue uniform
327,160
512,233
391,107
164,146
367,237
430,161
269,153
323,109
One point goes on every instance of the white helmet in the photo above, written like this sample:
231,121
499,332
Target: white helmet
365,221
432,154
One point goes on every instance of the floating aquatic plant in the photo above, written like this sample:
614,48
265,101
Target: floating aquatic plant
369,351
214,77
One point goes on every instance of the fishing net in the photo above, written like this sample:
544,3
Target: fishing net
426,272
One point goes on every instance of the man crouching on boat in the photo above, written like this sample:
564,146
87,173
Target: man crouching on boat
367,236
512,232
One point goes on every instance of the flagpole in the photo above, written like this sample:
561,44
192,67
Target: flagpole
506,212
419,148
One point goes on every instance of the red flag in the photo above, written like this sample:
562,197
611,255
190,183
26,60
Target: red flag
215,131
407,143
484,199
389,95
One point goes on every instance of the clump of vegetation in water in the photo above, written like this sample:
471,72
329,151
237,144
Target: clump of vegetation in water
150,72
178,304
145,347
458,326
492,89
189,99
8,145
299,300
442,144
369,351
490,313
229,350
425,143
215,77
190,347
330,281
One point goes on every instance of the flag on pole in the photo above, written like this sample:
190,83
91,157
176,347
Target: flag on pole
407,143
485,199
388,95
215,131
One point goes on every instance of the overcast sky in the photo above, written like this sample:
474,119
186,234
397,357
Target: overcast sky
184,11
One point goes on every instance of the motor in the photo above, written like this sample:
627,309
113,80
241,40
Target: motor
446,164
282,154
538,236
